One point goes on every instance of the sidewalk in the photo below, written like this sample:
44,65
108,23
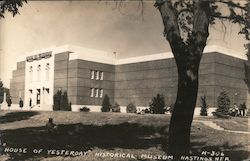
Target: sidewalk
213,125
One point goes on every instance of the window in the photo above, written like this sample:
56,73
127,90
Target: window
97,75
39,73
31,73
96,92
101,75
101,93
91,92
92,74
47,71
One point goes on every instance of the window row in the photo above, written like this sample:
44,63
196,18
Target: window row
38,71
96,92
95,74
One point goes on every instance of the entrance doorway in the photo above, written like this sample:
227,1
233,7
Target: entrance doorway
38,97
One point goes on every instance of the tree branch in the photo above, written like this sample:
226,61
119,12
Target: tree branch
11,6
200,32
231,4
171,28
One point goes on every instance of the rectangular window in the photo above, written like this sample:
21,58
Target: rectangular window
96,92
91,92
39,73
47,71
31,73
97,75
92,74
101,75
101,93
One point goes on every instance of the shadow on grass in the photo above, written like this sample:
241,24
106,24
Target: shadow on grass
84,137
17,116
79,137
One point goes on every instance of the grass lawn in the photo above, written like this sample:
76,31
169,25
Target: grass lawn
234,123
94,133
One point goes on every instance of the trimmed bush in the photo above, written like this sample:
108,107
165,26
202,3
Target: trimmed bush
170,108
84,109
157,104
116,108
223,103
57,100
106,104
8,100
204,106
147,110
61,102
65,105
131,108
8,97
21,103
1,92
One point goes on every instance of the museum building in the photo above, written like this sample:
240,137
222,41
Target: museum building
88,75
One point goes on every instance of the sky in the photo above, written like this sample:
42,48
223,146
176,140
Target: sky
92,24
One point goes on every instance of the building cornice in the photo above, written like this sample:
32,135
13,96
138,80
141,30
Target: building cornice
99,56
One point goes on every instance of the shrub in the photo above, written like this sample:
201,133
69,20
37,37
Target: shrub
157,104
223,103
64,102
116,107
21,103
106,104
147,110
57,100
1,92
61,101
84,109
8,97
204,106
170,108
8,100
131,108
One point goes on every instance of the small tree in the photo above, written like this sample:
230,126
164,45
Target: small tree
106,104
8,97
131,108
57,100
223,103
61,101
64,102
1,92
204,106
8,100
157,104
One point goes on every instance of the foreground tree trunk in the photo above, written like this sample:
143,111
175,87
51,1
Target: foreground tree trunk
187,54
182,116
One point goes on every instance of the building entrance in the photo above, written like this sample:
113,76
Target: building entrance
38,96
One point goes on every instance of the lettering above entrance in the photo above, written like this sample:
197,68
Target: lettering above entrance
39,56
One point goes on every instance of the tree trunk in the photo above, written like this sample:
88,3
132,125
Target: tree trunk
182,116
187,56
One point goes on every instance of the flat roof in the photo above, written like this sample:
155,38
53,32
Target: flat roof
99,56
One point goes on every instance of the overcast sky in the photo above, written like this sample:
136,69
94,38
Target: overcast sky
92,24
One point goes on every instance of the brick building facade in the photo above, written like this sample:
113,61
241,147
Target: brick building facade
87,75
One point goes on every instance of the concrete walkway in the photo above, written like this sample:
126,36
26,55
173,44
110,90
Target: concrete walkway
213,125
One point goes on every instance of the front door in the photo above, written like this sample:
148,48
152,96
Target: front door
38,97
